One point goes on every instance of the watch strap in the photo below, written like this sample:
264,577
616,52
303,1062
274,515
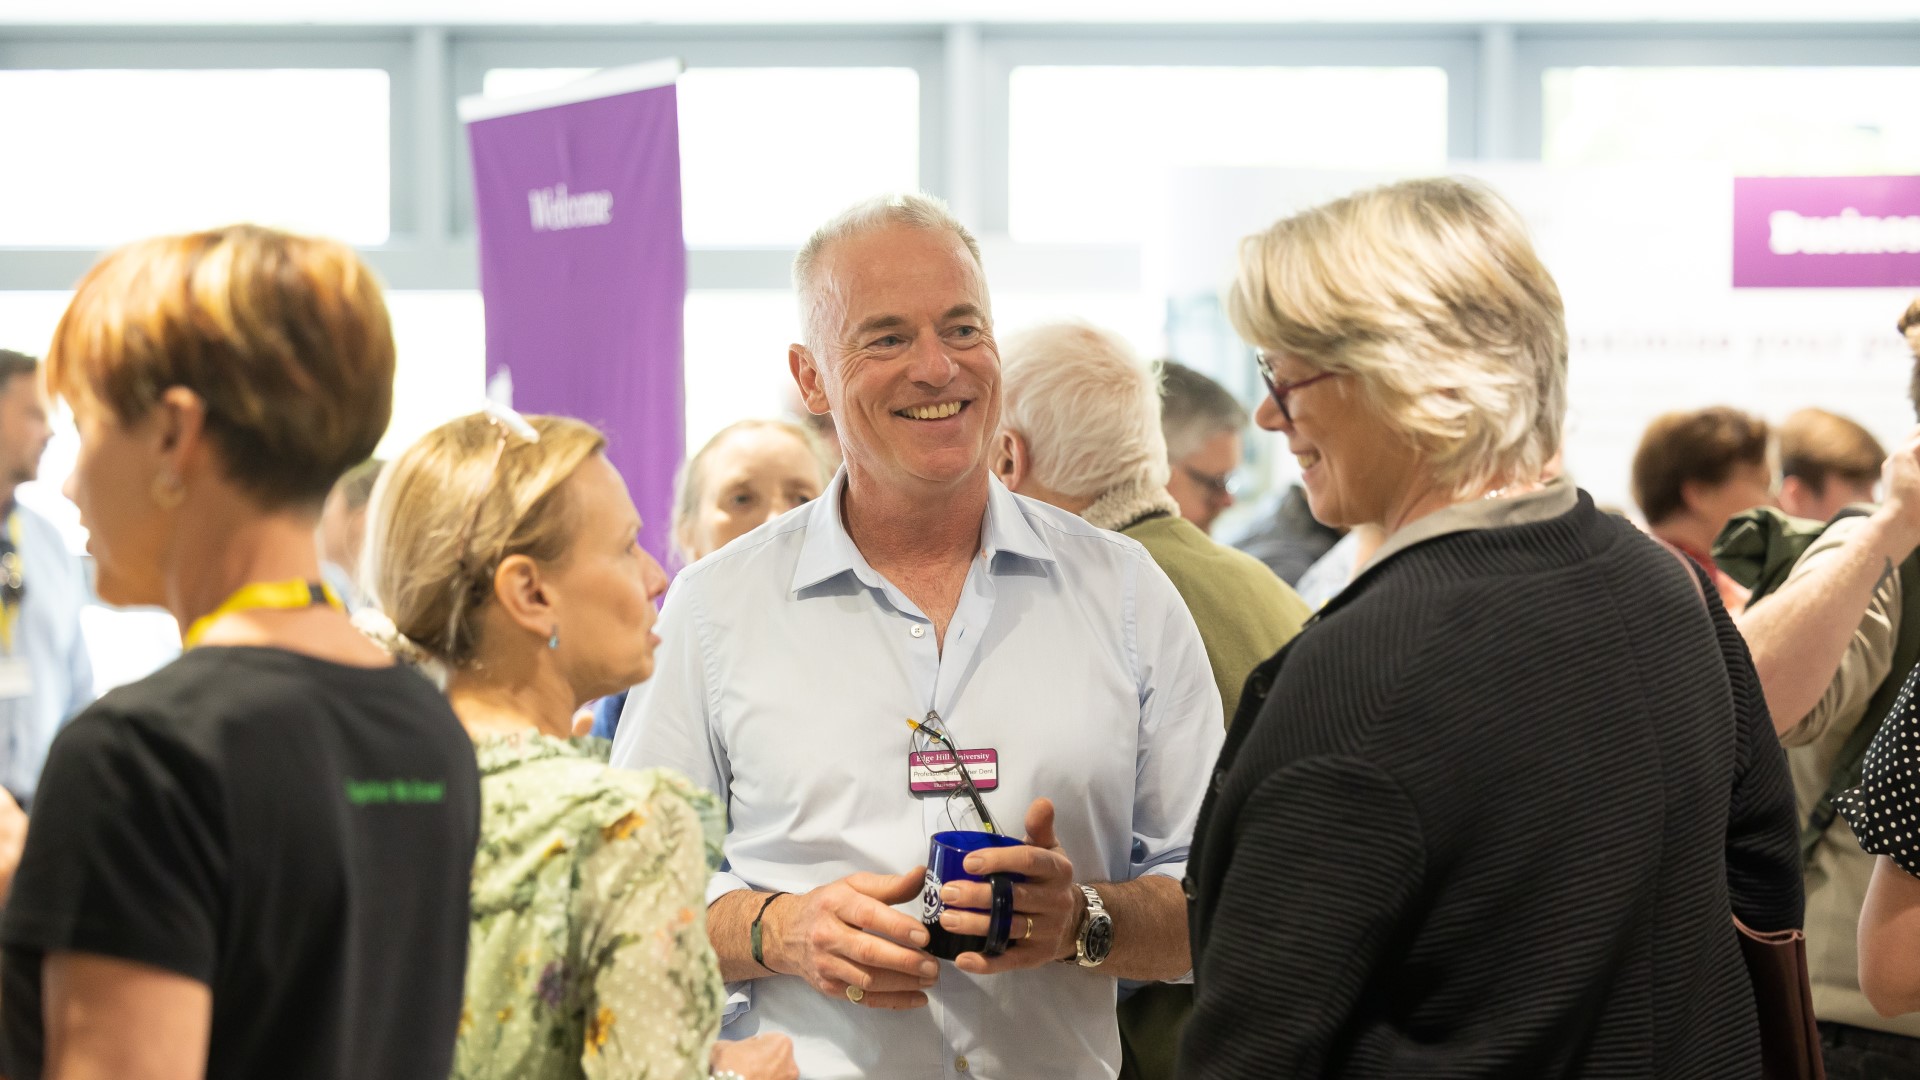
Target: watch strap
1096,912
753,932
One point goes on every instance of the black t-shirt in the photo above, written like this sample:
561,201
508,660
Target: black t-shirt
298,835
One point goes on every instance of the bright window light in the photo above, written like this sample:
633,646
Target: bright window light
109,156
440,373
440,346
737,358
1139,320
1754,121
763,151
1088,144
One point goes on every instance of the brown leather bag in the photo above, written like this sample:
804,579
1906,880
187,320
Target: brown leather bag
1777,966
1789,1039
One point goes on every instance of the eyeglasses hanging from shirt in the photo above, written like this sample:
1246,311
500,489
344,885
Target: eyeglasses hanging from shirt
931,769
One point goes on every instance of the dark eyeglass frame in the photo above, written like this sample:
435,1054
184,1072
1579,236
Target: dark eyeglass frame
1218,487
1280,390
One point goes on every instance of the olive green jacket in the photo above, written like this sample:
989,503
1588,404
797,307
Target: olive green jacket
1243,611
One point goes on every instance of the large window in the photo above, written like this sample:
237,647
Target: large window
98,158
766,154
440,373
737,358
1087,145
440,346
1753,120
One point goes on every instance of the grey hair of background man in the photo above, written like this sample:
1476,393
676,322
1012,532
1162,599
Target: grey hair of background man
914,210
1194,408
1088,409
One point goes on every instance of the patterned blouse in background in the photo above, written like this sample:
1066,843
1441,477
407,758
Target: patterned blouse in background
1884,810
589,954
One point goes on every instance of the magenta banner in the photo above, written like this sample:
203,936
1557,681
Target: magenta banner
1826,232
583,267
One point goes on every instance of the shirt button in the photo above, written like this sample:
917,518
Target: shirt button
1191,890
960,1063
921,631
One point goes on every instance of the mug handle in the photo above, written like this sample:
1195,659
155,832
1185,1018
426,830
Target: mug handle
999,915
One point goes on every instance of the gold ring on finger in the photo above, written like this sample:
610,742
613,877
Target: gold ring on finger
854,994
1029,932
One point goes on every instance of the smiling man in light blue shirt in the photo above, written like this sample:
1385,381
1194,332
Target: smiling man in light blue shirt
918,585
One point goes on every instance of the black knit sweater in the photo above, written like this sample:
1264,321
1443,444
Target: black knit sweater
1486,817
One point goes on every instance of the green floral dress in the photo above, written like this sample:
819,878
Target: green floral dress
589,954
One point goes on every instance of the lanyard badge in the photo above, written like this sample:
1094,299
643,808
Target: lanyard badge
951,770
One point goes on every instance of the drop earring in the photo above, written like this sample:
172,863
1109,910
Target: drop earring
553,641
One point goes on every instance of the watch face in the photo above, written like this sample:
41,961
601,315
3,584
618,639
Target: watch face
1099,939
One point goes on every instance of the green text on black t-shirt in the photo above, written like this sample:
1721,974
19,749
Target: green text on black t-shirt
376,792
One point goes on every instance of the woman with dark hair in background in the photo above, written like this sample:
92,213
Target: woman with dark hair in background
1692,472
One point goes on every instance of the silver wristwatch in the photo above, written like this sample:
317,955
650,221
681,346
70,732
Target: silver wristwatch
1095,942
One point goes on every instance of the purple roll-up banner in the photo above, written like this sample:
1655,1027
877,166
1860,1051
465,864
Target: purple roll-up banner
1857,232
583,266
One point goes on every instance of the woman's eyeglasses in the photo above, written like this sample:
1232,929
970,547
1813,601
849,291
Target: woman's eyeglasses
1281,390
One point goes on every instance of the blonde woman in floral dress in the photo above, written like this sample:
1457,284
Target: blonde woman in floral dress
505,551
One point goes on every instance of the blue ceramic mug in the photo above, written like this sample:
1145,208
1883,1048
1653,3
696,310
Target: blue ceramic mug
946,861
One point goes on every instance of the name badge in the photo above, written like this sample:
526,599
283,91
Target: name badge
16,680
935,771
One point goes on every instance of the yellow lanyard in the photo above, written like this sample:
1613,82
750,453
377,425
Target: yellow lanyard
275,595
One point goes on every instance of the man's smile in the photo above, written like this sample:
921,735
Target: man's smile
932,412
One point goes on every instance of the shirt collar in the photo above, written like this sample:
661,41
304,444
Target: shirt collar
828,551
1553,499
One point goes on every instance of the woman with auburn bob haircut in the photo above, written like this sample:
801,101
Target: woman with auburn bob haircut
253,862
1488,813
507,550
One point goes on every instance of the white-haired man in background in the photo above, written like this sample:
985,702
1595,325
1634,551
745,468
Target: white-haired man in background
918,586
1080,428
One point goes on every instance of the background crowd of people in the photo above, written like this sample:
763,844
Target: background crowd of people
1482,796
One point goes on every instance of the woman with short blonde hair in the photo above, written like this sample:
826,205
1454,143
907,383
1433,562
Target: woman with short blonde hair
506,549
1430,295
238,861
1486,815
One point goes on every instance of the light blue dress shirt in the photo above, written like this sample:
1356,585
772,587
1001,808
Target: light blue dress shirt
786,671
47,638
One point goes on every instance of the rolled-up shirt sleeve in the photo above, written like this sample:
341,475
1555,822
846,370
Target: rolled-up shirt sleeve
1180,726
1869,655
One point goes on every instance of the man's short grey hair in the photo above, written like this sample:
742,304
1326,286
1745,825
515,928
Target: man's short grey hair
1194,408
1087,407
914,210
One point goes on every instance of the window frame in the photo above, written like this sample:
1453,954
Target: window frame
730,267
1494,88
1453,49
1798,46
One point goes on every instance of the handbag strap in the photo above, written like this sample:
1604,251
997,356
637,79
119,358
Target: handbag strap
1693,571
